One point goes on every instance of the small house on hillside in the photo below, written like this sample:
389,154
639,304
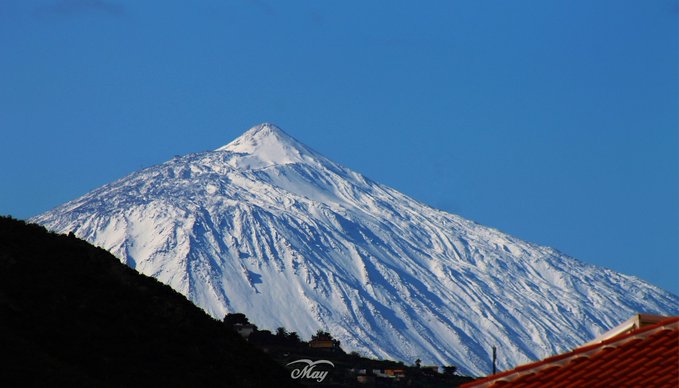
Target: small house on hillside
323,340
244,329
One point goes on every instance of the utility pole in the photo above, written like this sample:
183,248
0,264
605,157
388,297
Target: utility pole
494,358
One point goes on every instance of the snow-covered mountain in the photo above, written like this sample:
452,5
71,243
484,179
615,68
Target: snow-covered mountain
268,227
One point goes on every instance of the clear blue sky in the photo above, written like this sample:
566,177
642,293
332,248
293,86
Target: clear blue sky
554,121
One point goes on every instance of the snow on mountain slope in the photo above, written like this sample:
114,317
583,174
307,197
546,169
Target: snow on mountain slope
268,227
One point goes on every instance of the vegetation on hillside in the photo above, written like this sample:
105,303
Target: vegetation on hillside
72,315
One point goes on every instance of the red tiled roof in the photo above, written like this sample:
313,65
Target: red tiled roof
645,357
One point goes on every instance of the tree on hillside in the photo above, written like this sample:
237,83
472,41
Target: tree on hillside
281,332
235,318
322,336
294,339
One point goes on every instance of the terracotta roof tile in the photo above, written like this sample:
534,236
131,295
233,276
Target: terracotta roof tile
643,357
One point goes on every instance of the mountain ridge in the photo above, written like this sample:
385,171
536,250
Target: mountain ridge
266,226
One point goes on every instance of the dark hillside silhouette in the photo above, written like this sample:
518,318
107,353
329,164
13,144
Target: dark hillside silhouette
72,315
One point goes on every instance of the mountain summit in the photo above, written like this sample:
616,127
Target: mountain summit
269,145
270,228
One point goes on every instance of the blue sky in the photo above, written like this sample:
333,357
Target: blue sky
554,121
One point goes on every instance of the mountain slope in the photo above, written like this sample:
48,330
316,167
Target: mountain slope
73,315
268,227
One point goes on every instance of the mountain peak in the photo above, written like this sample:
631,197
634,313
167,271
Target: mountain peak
266,144
263,131
262,135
